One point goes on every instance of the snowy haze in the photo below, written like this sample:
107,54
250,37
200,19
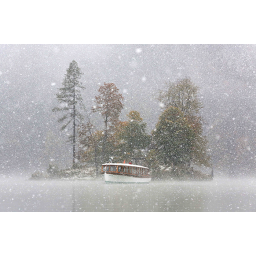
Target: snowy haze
30,76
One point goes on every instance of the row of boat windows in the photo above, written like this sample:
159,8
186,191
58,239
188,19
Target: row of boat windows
127,170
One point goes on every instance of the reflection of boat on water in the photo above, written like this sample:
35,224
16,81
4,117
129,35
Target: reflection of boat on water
125,173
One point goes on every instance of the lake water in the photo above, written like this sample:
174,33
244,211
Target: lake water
221,194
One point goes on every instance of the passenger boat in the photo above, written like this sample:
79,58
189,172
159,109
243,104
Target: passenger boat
125,173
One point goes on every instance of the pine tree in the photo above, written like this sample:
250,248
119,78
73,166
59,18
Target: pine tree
109,104
71,103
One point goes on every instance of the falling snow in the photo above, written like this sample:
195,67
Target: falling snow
30,137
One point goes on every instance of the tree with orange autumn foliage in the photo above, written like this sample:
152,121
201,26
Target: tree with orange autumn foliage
109,103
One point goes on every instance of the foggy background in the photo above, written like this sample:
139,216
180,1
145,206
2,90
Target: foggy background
31,74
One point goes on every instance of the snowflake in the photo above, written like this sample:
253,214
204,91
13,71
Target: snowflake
138,50
161,105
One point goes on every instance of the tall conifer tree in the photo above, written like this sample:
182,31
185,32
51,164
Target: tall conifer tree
71,103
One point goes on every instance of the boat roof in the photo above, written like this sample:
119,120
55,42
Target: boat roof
122,164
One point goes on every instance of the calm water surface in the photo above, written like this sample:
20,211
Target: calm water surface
221,194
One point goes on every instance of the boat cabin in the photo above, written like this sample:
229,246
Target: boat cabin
126,169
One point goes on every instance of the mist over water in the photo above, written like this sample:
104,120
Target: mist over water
19,194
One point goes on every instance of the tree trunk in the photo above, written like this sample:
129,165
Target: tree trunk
95,160
105,138
74,130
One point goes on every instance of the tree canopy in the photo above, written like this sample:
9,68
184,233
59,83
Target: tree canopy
109,103
179,133
132,137
90,145
182,95
174,137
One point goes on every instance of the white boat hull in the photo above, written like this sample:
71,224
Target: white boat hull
124,179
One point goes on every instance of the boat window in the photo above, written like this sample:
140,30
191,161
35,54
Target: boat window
105,168
112,168
120,169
